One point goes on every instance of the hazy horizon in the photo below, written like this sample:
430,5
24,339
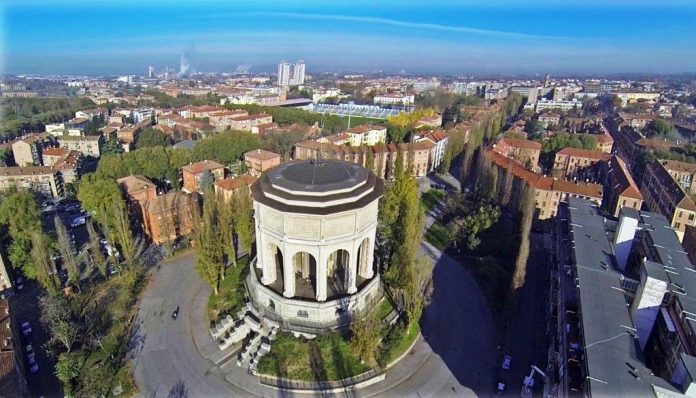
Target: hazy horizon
443,37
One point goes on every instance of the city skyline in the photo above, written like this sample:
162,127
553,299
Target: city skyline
491,37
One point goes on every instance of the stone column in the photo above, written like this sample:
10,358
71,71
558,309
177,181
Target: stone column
288,276
352,269
370,271
322,265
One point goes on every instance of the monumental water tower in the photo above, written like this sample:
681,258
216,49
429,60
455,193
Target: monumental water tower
316,224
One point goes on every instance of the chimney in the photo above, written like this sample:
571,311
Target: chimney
623,238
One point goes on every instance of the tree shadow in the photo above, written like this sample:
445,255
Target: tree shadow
458,326
178,390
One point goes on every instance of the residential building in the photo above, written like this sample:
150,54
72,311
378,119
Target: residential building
394,99
531,93
367,134
576,162
170,216
336,139
433,121
618,295
664,195
291,75
231,186
194,172
249,122
689,242
52,156
88,145
41,179
548,191
379,158
604,142
261,160
69,168
12,382
549,119
683,173
5,281
631,96
139,191
523,151
437,153
223,119
620,191
560,104
27,151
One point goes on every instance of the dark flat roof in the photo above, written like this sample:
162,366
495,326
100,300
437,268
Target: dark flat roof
317,176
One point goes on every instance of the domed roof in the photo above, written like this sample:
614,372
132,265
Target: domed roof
317,177
317,187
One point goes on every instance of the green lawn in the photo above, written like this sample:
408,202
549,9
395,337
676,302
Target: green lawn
384,308
324,358
438,235
231,296
397,341
432,198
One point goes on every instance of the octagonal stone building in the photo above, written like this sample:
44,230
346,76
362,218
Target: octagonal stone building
316,223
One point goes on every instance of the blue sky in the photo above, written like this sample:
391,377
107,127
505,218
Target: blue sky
435,36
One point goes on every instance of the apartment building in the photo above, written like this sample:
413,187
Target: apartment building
367,134
394,99
87,145
664,195
548,191
437,153
260,160
523,151
223,119
41,179
683,173
232,186
195,172
575,162
249,122
620,190
139,191
604,142
170,216
618,306
432,122
380,158
27,151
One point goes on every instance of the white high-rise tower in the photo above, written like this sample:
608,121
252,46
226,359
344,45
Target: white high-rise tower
283,73
298,73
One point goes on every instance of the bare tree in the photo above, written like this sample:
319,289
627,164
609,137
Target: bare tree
94,249
67,253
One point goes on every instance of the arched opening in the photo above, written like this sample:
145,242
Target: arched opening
276,255
337,272
364,257
305,269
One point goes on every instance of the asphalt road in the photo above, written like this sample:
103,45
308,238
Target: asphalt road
526,341
24,306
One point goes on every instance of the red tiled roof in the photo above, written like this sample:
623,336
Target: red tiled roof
261,154
520,143
584,153
231,184
202,166
55,152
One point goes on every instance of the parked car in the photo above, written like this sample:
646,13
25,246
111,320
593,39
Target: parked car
500,387
26,328
29,348
76,222
19,283
108,249
33,366
507,361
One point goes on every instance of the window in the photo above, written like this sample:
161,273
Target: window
302,314
677,225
